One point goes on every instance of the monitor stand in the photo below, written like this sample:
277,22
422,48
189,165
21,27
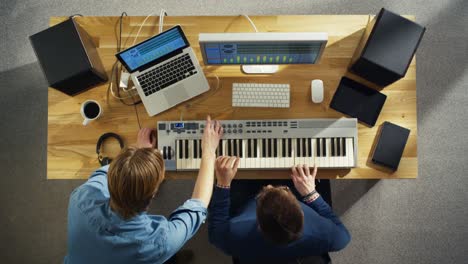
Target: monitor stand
259,69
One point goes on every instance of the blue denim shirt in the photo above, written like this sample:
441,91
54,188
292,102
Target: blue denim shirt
98,235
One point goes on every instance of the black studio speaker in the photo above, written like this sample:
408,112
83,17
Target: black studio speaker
386,48
68,58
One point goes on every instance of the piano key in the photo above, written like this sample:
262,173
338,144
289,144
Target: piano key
338,147
169,153
298,147
255,148
319,151
290,148
327,152
242,148
269,148
333,147
350,151
304,148
179,149
229,147
234,150
343,143
249,149
200,151
309,148
186,146
283,149
263,143
314,152
312,158
324,147
275,146
164,153
191,160
281,153
195,149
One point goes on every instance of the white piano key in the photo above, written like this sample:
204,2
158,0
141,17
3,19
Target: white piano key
328,153
243,162
350,151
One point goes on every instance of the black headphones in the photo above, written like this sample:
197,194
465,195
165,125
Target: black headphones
106,160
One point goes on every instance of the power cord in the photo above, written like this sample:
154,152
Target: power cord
250,21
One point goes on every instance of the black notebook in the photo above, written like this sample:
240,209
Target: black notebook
390,145
357,100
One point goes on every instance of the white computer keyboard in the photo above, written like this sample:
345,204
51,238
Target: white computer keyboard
260,95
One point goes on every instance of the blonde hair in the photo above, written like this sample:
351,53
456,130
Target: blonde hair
133,179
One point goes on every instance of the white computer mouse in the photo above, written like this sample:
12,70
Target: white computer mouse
316,89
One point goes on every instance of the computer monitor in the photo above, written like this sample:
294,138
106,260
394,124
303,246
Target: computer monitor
262,52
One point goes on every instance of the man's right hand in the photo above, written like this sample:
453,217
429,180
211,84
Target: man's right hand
226,169
303,180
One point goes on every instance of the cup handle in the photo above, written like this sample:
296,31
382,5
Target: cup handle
86,121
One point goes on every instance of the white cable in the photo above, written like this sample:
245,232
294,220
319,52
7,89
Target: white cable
162,14
139,30
250,21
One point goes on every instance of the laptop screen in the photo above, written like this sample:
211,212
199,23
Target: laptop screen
153,49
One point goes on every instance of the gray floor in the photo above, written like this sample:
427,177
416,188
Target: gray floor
391,221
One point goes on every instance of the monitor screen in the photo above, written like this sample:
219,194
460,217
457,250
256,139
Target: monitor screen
263,53
153,49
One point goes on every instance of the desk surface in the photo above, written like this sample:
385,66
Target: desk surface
71,146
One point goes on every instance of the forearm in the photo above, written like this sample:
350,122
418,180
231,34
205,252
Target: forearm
204,185
218,219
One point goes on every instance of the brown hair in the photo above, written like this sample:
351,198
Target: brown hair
279,215
133,179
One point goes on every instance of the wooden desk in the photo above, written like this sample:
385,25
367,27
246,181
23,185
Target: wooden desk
71,146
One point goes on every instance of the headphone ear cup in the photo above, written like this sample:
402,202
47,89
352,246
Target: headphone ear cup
106,161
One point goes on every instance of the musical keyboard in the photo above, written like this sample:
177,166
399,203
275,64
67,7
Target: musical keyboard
264,144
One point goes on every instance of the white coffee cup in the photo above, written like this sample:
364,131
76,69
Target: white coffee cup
90,110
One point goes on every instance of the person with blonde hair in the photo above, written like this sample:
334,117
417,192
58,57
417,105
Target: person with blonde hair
107,218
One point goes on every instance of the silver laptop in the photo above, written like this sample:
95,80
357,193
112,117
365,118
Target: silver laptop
164,70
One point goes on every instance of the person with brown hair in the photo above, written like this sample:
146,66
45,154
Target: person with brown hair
107,219
274,226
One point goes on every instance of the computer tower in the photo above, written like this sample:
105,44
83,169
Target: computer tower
386,48
68,57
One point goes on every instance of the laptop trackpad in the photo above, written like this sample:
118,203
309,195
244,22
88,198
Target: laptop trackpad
176,95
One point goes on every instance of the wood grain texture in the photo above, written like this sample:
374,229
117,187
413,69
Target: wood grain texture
71,146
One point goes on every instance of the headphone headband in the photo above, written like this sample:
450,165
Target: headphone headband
105,160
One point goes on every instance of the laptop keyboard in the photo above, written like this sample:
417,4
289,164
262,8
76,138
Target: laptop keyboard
167,74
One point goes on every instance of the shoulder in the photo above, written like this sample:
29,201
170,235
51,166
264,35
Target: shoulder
94,191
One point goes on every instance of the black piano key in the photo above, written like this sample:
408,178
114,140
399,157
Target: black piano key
310,154
186,149
249,154
319,149
333,147
324,147
269,150
200,152
338,147
235,152
169,153
255,148
304,149
164,153
275,145
229,147
289,147
263,154
195,149
298,147
343,143
283,150
180,149
241,149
